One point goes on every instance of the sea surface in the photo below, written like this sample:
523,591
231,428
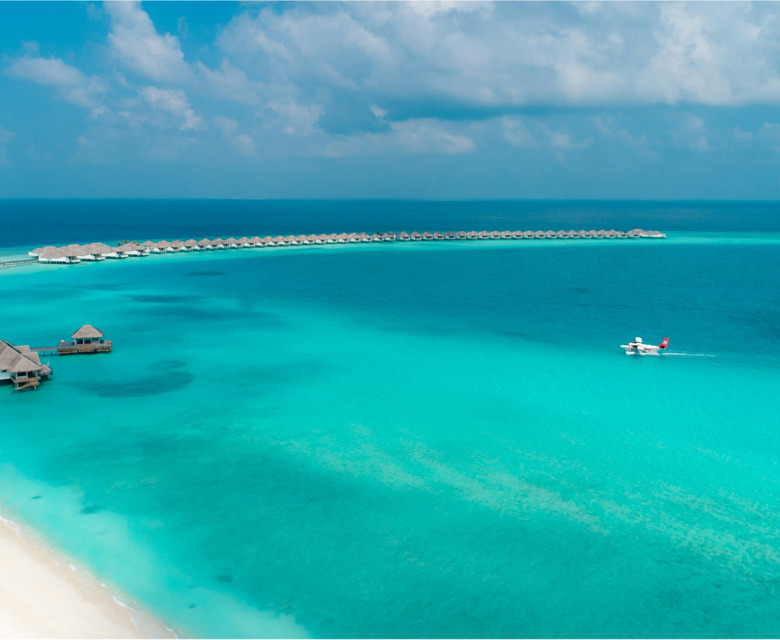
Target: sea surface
408,440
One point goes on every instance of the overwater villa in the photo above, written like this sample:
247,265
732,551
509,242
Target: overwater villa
87,339
22,366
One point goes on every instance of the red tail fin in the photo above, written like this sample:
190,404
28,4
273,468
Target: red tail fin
664,343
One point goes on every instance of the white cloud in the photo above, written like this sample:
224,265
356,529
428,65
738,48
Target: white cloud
135,41
296,119
692,133
563,141
516,133
230,83
516,54
244,145
608,127
411,137
48,71
173,101
743,137
73,85
241,143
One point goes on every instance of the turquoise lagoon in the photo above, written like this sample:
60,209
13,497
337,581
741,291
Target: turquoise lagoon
439,440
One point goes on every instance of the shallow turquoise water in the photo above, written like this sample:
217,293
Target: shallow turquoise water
426,440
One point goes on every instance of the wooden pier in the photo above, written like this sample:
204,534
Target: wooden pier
88,339
22,365
73,348
7,264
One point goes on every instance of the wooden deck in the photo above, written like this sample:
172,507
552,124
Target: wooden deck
30,383
7,264
71,348
65,348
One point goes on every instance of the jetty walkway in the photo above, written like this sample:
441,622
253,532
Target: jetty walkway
74,253
7,264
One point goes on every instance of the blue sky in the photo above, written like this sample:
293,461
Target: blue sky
373,100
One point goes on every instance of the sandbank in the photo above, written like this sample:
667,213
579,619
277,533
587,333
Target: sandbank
45,595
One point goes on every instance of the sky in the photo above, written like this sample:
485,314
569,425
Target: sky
390,100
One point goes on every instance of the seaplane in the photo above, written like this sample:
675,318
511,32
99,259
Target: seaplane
636,346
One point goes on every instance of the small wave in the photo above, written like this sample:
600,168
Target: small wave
121,603
10,524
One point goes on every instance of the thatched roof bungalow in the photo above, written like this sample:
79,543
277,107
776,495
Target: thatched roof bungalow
21,366
87,334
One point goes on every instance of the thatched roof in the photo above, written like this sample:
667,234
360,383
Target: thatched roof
18,359
22,364
87,331
7,354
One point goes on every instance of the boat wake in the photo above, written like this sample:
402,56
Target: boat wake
689,355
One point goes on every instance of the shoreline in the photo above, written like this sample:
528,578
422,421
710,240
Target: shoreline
44,594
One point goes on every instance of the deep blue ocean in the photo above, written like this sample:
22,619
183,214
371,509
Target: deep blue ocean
408,440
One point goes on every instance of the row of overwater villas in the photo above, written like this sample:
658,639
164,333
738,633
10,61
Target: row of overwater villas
99,251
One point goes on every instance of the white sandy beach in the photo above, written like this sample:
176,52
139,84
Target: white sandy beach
44,595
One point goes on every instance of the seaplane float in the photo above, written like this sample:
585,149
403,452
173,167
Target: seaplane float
637,347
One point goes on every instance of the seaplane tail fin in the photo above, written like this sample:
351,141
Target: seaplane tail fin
664,343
